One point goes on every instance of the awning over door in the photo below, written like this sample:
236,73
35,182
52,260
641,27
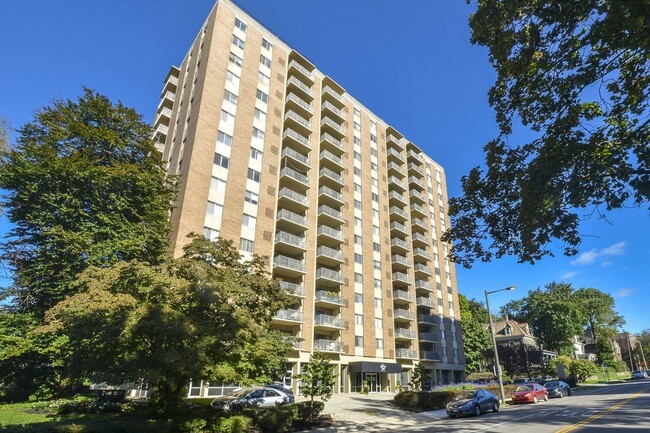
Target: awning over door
375,367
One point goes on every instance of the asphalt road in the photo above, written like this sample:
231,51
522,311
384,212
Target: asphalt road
621,407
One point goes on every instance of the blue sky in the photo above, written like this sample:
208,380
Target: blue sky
410,62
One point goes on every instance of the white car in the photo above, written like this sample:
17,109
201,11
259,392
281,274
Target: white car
638,374
251,397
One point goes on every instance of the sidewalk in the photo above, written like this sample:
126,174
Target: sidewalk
371,413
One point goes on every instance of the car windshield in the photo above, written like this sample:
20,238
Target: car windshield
524,388
552,384
467,395
241,392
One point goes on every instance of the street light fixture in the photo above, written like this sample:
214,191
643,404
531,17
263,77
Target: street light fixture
494,342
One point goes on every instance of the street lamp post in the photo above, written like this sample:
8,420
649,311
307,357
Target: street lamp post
494,342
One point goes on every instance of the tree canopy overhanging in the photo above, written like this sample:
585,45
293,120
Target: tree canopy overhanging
576,74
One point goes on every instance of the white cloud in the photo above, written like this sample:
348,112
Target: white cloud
591,256
624,293
569,275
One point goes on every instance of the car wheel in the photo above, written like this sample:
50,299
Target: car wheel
535,399
477,410
452,416
495,408
561,393
545,397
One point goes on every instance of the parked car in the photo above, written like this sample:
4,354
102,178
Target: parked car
557,388
281,386
639,374
251,397
529,393
473,402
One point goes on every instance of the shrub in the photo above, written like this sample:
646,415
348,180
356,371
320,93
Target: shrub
307,410
278,419
415,401
233,424
196,425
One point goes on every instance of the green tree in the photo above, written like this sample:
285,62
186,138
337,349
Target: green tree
420,376
582,369
317,378
644,342
598,310
554,316
605,352
477,343
513,310
205,315
83,186
575,74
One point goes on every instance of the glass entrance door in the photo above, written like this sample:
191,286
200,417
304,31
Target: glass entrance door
374,382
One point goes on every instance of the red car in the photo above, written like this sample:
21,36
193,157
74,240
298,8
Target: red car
530,393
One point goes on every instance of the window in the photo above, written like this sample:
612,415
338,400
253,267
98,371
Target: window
237,42
357,222
374,152
375,214
439,301
357,239
210,234
373,124
256,154
224,139
217,185
263,78
374,181
358,319
358,278
378,302
240,25
444,351
358,341
377,283
254,175
232,78
226,116
357,156
376,264
357,171
248,220
260,115
235,59
221,161
230,97
379,342
262,96
373,138
357,127
373,166
379,323
375,197
251,197
214,209
375,230
266,44
451,305
246,245
258,133
357,204
357,187
358,258
358,298
357,112
357,141
265,61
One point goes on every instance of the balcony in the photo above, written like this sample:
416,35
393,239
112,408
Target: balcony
427,319
403,333
394,196
332,110
328,157
327,193
294,289
423,285
418,223
335,143
298,121
419,239
400,261
399,245
287,216
297,158
405,353
326,321
418,210
304,72
297,140
333,96
296,178
289,266
401,277
394,155
331,177
329,277
167,100
429,356
290,242
325,233
291,199
330,215
400,313
417,195
394,140
423,269
329,256
398,213
417,182
415,169
421,253
295,85
428,337
413,155
396,183
421,301
333,127
289,316
331,298
402,295
295,102
321,345
399,228
395,168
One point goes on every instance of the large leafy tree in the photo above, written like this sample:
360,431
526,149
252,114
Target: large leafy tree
577,75
205,315
598,310
83,186
477,343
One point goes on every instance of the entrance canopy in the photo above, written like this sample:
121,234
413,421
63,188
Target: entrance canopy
375,367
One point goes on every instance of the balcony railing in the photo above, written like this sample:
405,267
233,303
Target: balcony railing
287,151
404,333
295,175
399,276
299,101
321,345
395,166
297,118
404,314
395,153
290,315
398,196
331,174
326,251
328,105
325,190
396,258
423,284
397,242
394,180
329,274
421,301
421,252
431,356
423,268
331,139
302,69
419,237
329,321
293,195
299,84
332,124
332,92
287,215
326,154
405,353
398,211
428,336
331,232
298,137
427,318
331,297
294,288
401,294
290,263
326,210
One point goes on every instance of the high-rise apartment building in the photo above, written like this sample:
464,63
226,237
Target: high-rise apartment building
277,156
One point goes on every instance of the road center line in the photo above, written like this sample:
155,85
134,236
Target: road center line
595,417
